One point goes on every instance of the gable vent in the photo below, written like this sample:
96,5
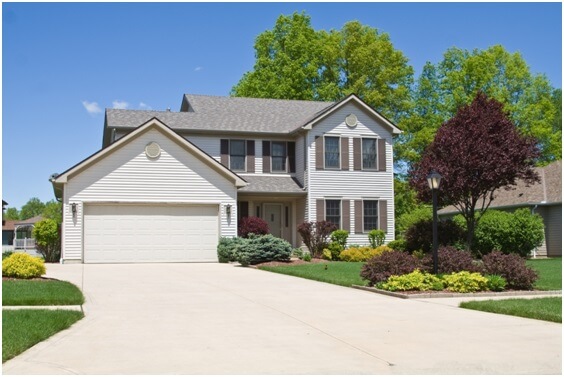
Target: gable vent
153,150
351,120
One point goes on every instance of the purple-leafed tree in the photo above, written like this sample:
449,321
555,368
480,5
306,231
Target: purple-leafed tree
477,151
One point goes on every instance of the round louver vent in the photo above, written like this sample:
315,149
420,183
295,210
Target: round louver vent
153,150
351,120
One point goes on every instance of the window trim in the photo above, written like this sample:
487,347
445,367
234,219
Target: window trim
364,230
286,163
244,170
376,162
338,137
339,225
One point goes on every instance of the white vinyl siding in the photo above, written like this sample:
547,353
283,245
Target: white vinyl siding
350,184
128,176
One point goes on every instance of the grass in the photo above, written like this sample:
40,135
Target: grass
40,292
339,273
546,308
550,273
21,329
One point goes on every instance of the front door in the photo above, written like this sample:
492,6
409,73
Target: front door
273,216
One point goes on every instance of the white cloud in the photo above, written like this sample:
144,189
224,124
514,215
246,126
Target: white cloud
144,106
198,69
91,107
120,104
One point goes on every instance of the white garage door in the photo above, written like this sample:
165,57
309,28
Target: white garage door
148,233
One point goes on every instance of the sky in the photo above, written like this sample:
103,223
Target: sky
64,63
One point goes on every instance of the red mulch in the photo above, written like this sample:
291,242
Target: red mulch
40,279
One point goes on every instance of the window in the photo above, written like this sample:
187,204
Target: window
279,156
369,155
332,152
237,155
333,212
370,210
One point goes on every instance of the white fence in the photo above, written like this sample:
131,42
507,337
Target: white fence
25,243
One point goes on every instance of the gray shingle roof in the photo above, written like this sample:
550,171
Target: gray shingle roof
271,184
548,191
233,114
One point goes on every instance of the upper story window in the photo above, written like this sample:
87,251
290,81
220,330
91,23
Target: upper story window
370,215
369,154
333,211
279,155
237,153
332,152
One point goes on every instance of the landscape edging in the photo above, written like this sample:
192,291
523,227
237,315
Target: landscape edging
454,294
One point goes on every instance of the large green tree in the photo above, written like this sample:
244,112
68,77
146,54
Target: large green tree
33,207
533,104
294,61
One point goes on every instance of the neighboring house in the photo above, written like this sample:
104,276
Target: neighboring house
544,198
17,235
167,185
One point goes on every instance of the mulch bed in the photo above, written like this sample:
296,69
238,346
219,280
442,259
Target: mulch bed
40,279
292,262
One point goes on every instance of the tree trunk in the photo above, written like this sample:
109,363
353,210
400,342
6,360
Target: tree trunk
471,226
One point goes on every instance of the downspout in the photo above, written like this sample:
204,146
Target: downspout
532,213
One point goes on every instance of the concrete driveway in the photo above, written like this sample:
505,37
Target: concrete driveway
223,319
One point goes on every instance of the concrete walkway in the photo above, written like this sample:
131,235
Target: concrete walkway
223,319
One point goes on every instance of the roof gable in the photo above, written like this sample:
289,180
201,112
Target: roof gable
352,98
152,124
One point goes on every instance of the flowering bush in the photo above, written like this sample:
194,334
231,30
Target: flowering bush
23,266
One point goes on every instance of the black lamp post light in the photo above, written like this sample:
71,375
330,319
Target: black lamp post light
434,181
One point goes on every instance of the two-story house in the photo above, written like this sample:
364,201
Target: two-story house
167,185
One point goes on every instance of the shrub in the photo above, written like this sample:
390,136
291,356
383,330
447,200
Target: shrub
452,260
340,236
315,234
465,282
518,232
405,221
48,239
266,248
254,225
512,268
376,237
358,254
332,251
420,235
6,254
496,283
399,244
307,257
298,253
415,281
227,249
381,267
23,266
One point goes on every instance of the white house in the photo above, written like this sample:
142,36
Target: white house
167,185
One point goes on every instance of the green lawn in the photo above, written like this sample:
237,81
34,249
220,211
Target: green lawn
21,329
40,292
340,273
546,308
550,273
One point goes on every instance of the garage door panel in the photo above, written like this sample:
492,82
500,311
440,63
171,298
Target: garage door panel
146,233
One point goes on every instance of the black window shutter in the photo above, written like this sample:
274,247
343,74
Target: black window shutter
224,151
266,156
292,156
250,156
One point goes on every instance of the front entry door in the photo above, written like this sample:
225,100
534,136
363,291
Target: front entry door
273,216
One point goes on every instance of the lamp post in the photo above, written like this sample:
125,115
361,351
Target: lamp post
434,181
